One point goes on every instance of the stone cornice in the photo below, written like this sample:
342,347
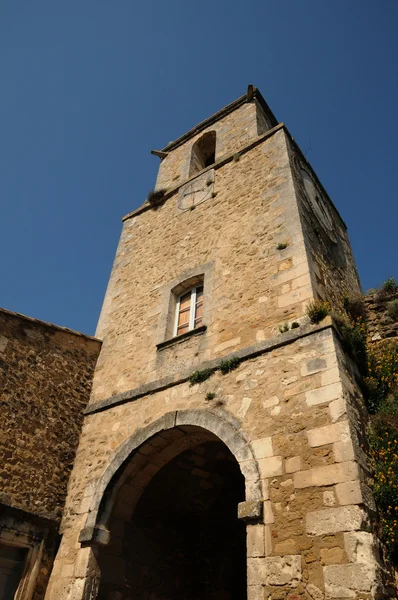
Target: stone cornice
244,354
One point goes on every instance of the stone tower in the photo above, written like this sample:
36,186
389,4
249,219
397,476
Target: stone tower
219,457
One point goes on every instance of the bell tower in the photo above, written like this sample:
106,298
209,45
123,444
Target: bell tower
216,405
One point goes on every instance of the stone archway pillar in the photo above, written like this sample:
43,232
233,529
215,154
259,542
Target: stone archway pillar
77,581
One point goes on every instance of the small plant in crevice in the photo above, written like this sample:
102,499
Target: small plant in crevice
386,290
354,307
236,157
317,310
213,194
200,376
392,310
156,197
390,286
283,328
210,396
353,338
282,245
229,364
294,325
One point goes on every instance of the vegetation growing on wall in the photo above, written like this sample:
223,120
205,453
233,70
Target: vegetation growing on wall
382,384
317,310
229,364
378,364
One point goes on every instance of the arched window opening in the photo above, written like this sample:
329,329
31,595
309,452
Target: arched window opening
203,153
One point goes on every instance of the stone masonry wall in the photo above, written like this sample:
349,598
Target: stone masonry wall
298,408
380,325
332,265
250,287
45,381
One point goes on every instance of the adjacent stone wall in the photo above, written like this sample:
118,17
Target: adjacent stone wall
45,381
380,325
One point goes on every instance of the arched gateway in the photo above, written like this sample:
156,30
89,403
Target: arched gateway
164,519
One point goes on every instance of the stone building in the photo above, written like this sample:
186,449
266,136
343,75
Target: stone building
45,380
220,458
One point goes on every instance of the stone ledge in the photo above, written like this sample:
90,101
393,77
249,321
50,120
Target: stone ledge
244,354
181,338
250,510
96,535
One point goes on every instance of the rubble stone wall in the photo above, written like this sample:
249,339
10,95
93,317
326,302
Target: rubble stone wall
45,380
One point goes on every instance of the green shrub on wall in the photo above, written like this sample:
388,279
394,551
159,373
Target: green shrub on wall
382,383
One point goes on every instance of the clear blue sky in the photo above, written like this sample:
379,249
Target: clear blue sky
89,87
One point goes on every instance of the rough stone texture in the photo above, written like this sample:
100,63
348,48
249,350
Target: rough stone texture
333,269
45,381
332,520
345,581
380,325
283,570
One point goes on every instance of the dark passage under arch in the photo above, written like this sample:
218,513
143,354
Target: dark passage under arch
179,535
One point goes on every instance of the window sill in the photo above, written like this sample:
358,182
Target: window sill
180,338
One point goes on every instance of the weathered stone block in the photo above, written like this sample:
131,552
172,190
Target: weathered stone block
293,464
275,570
327,434
251,509
255,540
337,409
255,592
268,512
313,365
330,376
332,520
329,499
349,493
343,451
328,475
263,448
271,466
359,546
324,394
333,556
345,581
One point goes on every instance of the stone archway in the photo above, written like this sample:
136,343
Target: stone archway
165,511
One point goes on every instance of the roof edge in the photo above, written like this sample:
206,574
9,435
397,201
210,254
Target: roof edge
49,325
252,93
